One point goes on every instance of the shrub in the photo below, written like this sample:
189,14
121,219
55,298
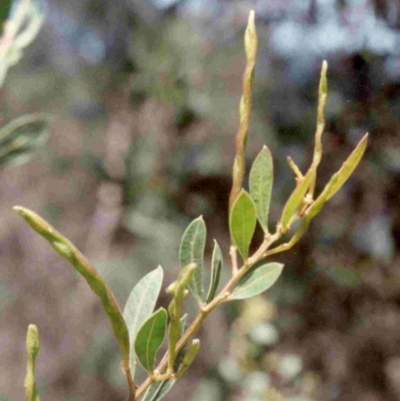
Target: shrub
139,330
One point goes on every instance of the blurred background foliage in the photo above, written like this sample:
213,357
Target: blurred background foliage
145,96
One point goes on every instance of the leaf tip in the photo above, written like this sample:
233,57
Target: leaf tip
32,340
18,209
252,16
192,266
200,218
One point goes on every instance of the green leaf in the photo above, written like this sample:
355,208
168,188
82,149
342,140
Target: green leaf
242,222
334,185
192,251
349,166
216,265
190,356
140,306
261,180
296,198
256,281
150,338
313,210
22,137
68,250
158,390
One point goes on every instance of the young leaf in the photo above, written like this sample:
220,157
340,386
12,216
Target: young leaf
22,137
68,250
149,339
32,349
261,180
314,209
256,281
242,222
296,198
349,166
158,390
192,251
216,265
191,353
334,185
175,309
139,307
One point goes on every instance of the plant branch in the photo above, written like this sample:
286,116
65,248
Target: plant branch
208,308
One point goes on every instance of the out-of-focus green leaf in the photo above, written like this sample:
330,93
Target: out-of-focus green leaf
348,166
261,180
22,137
296,198
343,276
192,251
216,265
150,337
5,7
22,27
257,280
32,349
139,307
242,222
68,250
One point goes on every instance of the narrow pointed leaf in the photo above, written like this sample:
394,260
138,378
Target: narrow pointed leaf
140,306
314,209
190,356
216,265
349,166
158,390
333,186
66,249
261,180
22,137
256,281
296,198
192,251
150,338
242,222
